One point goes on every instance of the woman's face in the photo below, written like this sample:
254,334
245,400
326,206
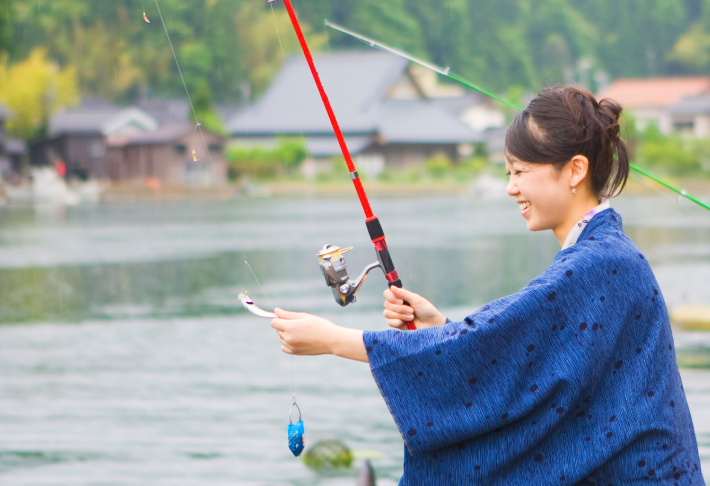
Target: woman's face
542,192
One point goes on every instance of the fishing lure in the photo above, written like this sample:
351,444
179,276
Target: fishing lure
296,441
145,17
194,156
254,309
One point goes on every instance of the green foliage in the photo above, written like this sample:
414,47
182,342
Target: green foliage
34,89
670,154
438,166
204,108
263,163
517,45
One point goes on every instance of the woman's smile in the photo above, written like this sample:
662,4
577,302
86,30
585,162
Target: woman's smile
524,207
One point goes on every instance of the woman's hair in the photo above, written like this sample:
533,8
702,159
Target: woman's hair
563,122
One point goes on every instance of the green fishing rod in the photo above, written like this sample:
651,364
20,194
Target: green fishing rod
447,72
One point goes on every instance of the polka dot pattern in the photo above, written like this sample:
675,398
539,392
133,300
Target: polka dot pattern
560,360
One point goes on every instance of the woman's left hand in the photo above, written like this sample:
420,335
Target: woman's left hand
304,334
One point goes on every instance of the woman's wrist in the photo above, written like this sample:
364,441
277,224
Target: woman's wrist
347,343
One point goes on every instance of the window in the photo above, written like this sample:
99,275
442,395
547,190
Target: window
181,149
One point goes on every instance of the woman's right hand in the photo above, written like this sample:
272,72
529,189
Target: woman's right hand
419,310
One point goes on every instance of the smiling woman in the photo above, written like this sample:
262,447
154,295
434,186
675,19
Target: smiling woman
572,380
564,157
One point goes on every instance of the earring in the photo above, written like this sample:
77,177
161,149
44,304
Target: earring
574,191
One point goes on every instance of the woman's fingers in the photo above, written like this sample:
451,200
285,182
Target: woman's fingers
400,309
390,297
389,314
279,324
289,315
396,324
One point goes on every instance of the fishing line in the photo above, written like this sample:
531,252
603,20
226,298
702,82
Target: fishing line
257,280
187,92
295,432
303,141
447,72
677,200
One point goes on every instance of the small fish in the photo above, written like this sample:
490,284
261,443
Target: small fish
251,307
145,17
194,156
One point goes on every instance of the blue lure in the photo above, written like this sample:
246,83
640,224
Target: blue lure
296,441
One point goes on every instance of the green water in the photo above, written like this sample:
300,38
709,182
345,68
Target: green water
126,359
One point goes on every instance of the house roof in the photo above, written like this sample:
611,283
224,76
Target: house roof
654,92
15,147
697,105
166,112
163,135
421,121
356,84
458,104
96,116
327,146
353,81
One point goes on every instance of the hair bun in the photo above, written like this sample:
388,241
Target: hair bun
611,108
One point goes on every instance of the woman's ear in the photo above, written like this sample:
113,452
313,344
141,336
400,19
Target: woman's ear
578,166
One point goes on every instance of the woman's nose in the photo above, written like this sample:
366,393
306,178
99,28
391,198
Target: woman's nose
512,188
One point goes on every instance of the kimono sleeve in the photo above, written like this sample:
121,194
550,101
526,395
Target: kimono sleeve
543,346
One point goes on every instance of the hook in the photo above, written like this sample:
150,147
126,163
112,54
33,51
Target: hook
290,411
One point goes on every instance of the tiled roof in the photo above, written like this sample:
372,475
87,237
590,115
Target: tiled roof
356,84
162,135
654,92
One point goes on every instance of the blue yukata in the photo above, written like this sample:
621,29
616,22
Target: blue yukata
573,380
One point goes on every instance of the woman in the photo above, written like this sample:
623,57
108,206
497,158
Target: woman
571,380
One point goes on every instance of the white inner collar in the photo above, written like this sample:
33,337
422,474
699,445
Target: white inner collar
577,229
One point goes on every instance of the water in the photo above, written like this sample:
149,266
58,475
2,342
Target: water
126,358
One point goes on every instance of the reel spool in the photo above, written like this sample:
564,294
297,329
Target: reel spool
332,265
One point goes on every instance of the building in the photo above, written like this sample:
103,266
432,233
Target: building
77,137
690,117
651,100
13,152
163,158
383,109
5,163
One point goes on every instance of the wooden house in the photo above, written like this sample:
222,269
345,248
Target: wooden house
389,117
164,158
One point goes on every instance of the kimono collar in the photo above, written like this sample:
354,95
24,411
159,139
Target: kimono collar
582,223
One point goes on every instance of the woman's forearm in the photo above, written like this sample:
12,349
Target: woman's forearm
347,343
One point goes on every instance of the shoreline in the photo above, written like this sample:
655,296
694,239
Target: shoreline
490,188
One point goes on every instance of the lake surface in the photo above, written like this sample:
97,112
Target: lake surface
125,357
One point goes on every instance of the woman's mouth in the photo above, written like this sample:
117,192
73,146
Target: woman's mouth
524,206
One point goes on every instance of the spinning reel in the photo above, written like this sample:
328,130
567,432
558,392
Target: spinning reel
332,265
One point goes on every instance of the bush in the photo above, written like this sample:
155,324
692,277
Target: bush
668,153
438,166
262,163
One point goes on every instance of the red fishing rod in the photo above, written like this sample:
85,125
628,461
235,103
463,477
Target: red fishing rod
331,260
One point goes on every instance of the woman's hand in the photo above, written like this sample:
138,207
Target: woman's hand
419,310
308,335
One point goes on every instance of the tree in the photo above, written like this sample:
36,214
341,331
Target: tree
270,38
34,89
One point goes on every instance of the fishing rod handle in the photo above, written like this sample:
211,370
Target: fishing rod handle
377,235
